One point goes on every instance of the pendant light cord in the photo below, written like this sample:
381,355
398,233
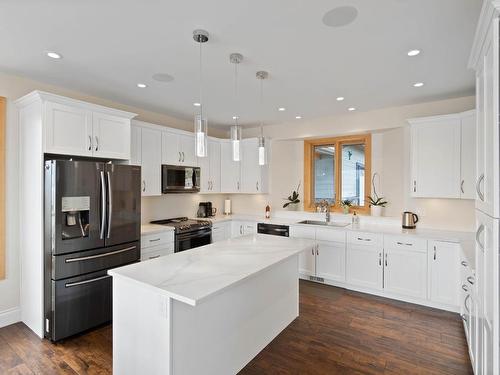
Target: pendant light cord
236,93
201,84
261,107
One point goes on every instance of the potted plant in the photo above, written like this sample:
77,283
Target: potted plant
346,205
293,200
376,205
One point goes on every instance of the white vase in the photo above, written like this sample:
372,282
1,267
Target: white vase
376,210
292,206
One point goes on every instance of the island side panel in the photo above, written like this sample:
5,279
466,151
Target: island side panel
221,334
141,330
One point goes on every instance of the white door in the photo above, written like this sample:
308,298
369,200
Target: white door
468,156
435,158
307,259
135,145
170,153
111,136
187,149
405,272
364,266
214,160
151,162
444,275
250,176
68,130
330,260
230,170
237,229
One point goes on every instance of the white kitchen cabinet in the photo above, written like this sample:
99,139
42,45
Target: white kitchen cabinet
242,228
405,272
364,266
157,245
230,170
178,149
330,260
444,276
254,177
307,259
135,145
151,152
435,157
210,168
221,231
68,130
468,155
111,135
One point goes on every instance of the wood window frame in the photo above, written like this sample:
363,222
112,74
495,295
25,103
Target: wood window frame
3,116
309,170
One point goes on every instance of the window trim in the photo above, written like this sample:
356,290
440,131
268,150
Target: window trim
337,142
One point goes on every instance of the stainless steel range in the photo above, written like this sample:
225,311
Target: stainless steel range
189,233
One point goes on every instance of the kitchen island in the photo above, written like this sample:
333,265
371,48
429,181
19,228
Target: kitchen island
207,310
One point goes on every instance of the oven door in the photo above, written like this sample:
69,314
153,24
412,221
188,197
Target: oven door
190,240
175,179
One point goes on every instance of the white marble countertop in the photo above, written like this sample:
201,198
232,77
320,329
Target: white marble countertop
155,228
193,275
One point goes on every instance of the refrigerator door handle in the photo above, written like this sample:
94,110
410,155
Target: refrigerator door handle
103,206
110,204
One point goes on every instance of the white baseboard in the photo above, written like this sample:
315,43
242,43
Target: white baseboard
10,316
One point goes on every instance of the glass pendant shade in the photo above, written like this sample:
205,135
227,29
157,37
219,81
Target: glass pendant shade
262,151
236,141
201,136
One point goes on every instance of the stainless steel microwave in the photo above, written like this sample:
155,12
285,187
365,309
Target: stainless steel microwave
178,179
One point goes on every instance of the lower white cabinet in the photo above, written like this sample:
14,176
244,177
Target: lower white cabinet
364,266
444,274
241,228
405,272
157,244
221,231
330,260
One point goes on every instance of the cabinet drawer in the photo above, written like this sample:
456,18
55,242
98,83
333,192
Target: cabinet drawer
157,251
365,238
156,239
332,235
302,232
405,243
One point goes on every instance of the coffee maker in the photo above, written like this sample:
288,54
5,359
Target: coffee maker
204,209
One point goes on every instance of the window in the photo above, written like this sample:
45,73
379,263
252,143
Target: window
336,169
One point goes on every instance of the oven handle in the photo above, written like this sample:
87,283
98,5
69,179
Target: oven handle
70,260
69,285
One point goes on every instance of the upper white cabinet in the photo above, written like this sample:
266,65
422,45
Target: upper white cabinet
442,156
210,168
178,149
230,179
255,176
72,127
444,276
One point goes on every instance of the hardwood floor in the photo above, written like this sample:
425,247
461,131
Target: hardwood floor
338,332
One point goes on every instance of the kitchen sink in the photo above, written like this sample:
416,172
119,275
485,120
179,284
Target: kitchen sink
317,222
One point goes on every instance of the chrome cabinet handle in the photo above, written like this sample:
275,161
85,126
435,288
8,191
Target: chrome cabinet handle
96,143
478,187
238,185
386,259
110,204
154,256
470,279
464,318
90,143
462,187
179,156
103,206
465,302
379,259
317,249
464,263
464,287
183,156
312,250
69,285
434,252
414,186
364,239
407,244
257,185
155,240
71,260
478,233
143,186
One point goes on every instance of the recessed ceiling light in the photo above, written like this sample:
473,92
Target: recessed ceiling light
281,109
142,85
413,52
298,117
351,109
340,16
54,55
196,104
418,84
340,98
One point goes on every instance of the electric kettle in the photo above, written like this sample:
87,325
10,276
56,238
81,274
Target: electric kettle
410,220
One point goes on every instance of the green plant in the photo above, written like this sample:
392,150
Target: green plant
293,198
377,201
345,203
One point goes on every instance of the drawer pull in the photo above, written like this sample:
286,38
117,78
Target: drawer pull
470,279
364,239
464,263
155,240
464,287
407,244
154,256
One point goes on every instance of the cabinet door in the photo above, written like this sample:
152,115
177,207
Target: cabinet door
218,232
330,260
237,229
443,260
435,158
468,156
170,151
405,272
250,179
249,228
364,266
214,160
135,145
307,259
68,130
230,170
204,164
187,150
111,136
151,162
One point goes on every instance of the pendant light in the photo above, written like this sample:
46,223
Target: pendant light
200,122
262,75
236,58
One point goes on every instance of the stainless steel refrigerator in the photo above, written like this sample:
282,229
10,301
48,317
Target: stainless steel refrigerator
92,223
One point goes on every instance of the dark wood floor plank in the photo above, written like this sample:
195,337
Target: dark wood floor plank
338,332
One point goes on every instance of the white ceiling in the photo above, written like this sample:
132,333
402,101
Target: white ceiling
110,46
